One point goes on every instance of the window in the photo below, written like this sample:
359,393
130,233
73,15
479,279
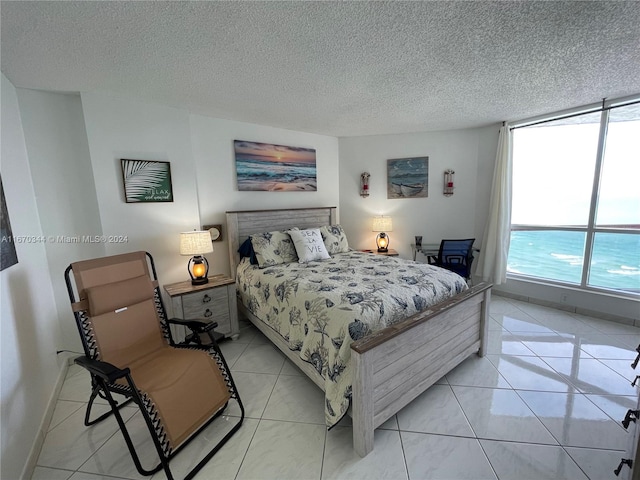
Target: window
576,199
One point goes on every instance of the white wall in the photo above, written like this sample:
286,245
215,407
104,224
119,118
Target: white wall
118,128
65,191
213,152
200,150
470,153
29,326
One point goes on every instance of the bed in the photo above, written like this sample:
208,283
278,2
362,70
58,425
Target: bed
380,368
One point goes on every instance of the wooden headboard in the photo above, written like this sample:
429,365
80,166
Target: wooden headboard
242,224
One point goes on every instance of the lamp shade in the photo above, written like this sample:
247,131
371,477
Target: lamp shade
195,243
382,224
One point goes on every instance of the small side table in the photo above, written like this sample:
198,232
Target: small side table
426,249
215,301
390,253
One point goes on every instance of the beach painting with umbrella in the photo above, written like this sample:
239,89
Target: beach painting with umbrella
408,177
275,168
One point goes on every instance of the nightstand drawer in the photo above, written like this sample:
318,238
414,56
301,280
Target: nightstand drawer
212,304
214,301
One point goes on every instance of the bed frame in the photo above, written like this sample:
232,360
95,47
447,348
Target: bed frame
386,377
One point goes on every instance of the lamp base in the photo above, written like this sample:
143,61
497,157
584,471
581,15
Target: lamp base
199,281
383,250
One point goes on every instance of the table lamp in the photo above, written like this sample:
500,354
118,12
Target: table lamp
382,224
196,243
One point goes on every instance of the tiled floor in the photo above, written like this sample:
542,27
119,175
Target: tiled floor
545,403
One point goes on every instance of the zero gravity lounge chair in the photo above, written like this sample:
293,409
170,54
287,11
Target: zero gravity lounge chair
129,350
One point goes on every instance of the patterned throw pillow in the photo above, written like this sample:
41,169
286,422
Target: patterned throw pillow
309,245
334,239
273,248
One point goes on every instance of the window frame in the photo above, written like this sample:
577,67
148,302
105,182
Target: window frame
591,229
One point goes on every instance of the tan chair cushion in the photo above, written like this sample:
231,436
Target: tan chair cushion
116,295
126,336
186,387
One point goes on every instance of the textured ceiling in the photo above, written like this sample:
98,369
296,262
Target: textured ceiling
334,68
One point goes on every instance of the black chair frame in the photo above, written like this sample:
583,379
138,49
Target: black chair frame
104,376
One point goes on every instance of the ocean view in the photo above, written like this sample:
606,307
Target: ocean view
558,255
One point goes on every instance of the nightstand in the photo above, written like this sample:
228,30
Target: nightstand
215,301
390,253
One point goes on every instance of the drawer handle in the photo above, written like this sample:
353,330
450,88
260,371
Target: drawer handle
208,313
624,461
635,362
631,416
206,298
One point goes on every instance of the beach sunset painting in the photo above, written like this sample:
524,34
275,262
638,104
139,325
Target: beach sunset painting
275,168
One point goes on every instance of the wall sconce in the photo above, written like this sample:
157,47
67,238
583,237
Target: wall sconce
448,182
364,184
196,243
382,224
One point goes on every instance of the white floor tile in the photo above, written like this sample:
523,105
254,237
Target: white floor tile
284,451
232,350
530,373
591,376
113,458
575,421
306,406
501,415
477,372
553,345
91,476
520,322
435,411
62,411
522,461
289,368
70,444
603,346
259,358
442,457
255,390
45,473
341,462
597,464
502,342
615,406
225,463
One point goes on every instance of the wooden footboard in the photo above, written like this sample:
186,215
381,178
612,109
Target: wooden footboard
395,365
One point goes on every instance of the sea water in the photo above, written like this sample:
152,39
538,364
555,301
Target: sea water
559,255
251,169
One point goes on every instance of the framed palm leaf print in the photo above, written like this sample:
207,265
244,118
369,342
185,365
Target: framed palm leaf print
146,181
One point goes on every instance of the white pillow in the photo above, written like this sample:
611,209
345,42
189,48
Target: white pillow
309,245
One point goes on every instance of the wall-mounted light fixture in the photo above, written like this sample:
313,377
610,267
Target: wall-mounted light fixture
448,182
382,224
196,243
364,184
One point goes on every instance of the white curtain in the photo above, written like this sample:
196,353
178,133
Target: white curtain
492,262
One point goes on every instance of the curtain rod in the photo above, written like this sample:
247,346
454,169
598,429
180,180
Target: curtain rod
585,112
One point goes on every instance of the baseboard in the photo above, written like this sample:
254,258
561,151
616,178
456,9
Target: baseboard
568,308
32,459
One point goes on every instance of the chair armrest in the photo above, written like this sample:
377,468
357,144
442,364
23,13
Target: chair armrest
104,370
195,325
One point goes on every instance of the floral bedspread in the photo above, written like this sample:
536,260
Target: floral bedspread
321,307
